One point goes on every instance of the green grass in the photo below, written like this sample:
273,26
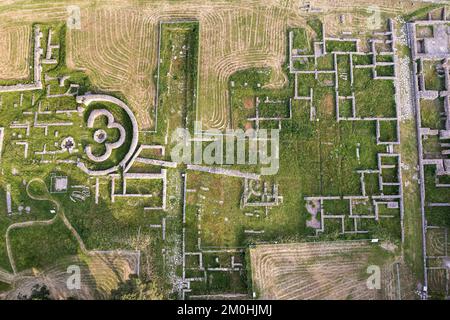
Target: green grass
362,59
421,13
432,80
177,75
388,131
325,62
430,112
247,86
316,158
385,58
385,71
433,193
316,25
374,98
4,287
40,246
301,40
438,216
340,46
432,146
345,108
343,65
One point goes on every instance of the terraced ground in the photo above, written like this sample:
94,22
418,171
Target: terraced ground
437,257
100,273
14,51
118,52
117,44
322,270
124,51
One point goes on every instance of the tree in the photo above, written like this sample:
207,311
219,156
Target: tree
38,292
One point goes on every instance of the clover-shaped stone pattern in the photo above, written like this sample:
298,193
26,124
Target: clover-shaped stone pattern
109,146
86,100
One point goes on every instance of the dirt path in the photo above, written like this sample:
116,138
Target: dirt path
74,232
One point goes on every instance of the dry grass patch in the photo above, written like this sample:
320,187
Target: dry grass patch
321,270
117,49
100,273
14,51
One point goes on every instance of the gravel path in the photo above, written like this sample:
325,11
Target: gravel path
403,79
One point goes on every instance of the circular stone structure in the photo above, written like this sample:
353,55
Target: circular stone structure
90,98
68,144
100,136
112,124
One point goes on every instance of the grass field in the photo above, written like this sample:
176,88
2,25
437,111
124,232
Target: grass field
413,221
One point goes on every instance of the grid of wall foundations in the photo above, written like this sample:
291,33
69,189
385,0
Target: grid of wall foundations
435,49
320,50
392,201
